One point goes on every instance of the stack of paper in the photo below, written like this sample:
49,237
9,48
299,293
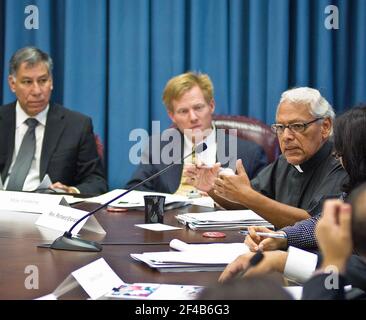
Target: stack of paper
155,291
135,199
222,220
200,257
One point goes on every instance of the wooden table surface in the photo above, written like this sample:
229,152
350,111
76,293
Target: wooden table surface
19,238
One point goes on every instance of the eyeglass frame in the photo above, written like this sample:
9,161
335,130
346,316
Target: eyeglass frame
305,125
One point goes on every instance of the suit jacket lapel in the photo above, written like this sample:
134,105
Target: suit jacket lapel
174,174
226,150
54,127
7,136
174,177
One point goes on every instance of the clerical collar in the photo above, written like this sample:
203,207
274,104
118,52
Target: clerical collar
317,158
298,168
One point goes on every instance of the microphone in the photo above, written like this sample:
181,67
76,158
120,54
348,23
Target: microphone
68,242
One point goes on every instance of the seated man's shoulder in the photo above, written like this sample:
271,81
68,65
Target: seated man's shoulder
251,145
252,149
70,114
7,107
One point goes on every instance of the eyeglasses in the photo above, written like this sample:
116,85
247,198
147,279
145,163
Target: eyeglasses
336,155
294,127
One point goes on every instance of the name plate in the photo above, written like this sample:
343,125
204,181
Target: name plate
62,218
27,202
96,278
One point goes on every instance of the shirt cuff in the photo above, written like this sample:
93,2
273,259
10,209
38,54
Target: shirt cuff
300,265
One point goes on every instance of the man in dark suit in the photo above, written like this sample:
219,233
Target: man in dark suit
189,101
61,141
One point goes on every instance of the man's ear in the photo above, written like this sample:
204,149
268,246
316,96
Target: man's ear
326,127
11,82
171,116
212,106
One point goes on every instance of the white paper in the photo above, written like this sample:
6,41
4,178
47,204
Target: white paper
103,198
134,198
176,292
97,278
225,215
204,202
45,183
67,285
93,225
179,245
50,296
217,248
294,291
73,199
61,218
205,254
186,257
156,227
156,291
27,202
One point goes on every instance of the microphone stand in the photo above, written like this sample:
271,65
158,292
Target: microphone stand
70,243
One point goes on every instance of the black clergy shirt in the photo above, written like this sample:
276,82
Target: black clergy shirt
322,176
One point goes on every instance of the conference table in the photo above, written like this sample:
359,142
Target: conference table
20,254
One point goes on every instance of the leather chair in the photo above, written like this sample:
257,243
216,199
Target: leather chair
252,130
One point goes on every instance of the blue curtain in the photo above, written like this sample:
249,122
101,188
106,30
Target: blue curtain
112,58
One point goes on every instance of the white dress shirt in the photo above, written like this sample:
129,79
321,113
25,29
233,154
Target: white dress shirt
300,265
32,181
207,157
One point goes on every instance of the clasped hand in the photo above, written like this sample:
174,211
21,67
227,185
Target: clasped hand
231,187
256,242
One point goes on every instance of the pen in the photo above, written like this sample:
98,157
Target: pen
252,263
266,234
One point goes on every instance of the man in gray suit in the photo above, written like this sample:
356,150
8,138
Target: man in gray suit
39,138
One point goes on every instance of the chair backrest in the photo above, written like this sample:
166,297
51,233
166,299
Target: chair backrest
252,130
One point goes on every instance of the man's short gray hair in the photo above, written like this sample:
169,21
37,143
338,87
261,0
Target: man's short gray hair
318,105
32,56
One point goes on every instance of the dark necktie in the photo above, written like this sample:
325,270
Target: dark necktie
24,158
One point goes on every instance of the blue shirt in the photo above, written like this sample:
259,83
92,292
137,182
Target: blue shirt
302,233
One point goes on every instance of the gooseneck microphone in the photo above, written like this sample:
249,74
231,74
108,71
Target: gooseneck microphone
68,242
